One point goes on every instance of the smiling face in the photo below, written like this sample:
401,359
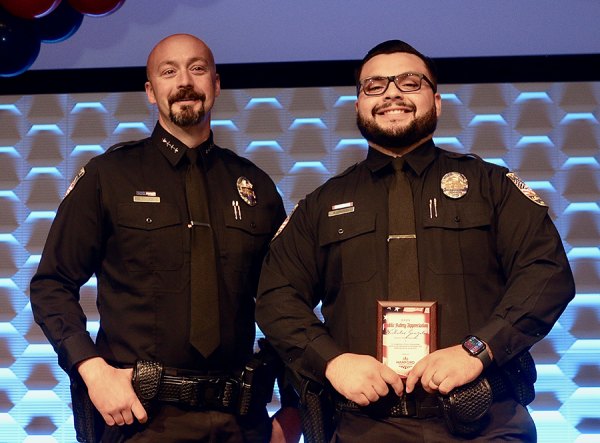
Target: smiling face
182,82
397,121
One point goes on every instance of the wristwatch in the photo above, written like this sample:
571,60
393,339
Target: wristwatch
477,348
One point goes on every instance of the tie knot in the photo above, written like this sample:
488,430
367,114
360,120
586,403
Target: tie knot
192,155
398,164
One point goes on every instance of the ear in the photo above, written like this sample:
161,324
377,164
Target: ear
438,104
150,93
217,85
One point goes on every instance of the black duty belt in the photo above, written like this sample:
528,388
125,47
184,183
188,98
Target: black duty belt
199,391
418,404
153,382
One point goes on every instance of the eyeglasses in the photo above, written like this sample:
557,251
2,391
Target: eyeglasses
408,82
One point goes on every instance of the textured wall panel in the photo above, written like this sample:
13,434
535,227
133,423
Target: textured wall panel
547,132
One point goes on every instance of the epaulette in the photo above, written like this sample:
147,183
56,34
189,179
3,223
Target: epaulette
124,144
461,155
346,171
235,154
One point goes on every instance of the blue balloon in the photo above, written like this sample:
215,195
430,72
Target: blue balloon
60,24
19,44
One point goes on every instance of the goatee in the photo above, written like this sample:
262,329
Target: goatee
398,138
187,116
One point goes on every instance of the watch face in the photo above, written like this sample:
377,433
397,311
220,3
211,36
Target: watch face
474,345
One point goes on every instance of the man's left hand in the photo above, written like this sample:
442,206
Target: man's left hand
287,427
444,370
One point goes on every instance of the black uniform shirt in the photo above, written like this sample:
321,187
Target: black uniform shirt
492,260
125,220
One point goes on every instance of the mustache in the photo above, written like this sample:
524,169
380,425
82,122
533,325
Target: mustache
391,104
186,94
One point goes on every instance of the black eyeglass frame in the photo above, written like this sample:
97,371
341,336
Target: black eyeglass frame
393,78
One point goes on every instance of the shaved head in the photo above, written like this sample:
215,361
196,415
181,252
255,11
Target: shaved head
170,44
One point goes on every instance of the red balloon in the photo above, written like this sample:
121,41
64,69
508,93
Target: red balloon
29,9
96,8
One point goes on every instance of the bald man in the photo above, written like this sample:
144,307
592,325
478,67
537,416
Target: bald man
125,219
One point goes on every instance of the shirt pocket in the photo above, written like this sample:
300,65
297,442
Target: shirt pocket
245,238
351,237
150,236
459,239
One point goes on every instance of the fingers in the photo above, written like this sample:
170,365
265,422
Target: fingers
139,412
390,377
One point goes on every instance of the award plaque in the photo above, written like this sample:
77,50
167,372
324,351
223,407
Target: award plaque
406,332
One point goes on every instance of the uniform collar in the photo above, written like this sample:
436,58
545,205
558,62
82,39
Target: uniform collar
418,159
173,149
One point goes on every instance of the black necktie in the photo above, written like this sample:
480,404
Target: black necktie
403,280
204,329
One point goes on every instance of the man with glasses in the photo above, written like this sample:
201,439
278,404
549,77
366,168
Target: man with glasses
474,239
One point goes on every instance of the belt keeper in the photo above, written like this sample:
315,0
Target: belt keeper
146,380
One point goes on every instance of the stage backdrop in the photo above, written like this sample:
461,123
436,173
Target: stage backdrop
547,132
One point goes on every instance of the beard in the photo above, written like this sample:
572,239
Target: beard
187,116
398,138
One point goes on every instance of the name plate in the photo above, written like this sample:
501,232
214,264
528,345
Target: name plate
406,332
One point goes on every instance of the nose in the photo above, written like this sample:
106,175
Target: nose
393,91
184,78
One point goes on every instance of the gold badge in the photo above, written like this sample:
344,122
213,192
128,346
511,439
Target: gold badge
526,190
246,191
454,185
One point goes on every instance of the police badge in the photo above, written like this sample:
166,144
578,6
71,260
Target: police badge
454,185
246,190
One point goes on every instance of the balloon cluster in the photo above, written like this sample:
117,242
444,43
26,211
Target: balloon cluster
25,24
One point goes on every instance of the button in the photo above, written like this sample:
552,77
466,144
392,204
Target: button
340,231
457,219
253,225
148,220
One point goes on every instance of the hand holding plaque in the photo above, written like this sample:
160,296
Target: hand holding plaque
406,332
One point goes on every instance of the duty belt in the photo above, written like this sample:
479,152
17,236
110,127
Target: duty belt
153,382
418,404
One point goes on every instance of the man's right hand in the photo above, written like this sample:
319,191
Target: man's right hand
362,378
111,392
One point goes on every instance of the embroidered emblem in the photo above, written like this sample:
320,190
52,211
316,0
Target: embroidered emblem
284,224
526,190
80,174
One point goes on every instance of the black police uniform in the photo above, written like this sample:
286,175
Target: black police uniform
491,258
125,220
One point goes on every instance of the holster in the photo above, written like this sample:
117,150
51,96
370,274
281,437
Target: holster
87,420
464,409
316,411
258,378
520,375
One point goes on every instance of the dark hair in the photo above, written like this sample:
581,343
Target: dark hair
391,47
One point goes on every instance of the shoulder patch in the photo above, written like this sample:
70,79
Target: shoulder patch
80,174
284,224
526,190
